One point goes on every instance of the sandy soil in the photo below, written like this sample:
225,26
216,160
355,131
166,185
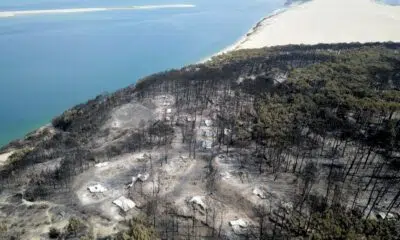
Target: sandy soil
325,21
4,157
215,176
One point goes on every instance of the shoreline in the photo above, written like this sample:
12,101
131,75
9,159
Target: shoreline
253,30
7,14
243,38
260,30
322,21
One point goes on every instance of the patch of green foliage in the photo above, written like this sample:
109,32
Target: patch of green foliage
362,84
335,225
250,54
139,229
18,155
74,226
3,227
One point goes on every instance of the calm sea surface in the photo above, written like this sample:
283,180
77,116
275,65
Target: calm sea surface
48,63
391,2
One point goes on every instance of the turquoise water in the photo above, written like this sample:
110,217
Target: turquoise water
391,2
48,63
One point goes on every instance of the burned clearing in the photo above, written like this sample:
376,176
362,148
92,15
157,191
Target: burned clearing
254,144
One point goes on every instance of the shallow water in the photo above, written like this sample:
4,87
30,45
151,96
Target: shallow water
49,63
391,2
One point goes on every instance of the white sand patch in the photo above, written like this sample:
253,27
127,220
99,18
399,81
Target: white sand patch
383,215
240,222
142,177
124,203
238,226
329,21
259,192
85,10
208,122
100,165
226,175
129,116
4,157
324,21
199,201
98,188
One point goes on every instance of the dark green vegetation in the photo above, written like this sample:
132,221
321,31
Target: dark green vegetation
339,224
329,114
138,229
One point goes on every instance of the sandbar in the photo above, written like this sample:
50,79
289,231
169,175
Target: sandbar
85,10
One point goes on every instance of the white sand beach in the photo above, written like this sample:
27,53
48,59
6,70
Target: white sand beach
325,21
4,157
83,10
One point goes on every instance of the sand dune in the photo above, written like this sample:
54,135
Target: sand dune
4,157
83,10
325,21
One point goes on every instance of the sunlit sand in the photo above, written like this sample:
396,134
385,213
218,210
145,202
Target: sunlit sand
84,10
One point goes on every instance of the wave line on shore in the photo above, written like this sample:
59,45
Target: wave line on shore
85,10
